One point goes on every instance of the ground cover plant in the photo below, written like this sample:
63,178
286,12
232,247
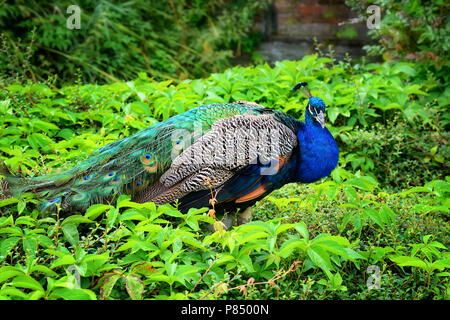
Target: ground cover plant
378,228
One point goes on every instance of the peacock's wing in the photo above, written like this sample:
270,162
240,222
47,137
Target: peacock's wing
241,148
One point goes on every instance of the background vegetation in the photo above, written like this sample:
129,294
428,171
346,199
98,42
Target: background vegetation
415,30
119,39
385,208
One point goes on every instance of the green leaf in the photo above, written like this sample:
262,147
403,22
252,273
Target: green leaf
21,206
15,231
27,282
112,216
245,261
337,281
406,261
374,216
363,183
4,106
438,245
303,230
73,294
108,284
7,202
290,245
76,219
7,274
6,245
25,220
134,286
403,68
320,258
71,233
387,214
95,210
64,260
357,222
426,238
351,193
332,113
43,269
144,268
283,227
30,245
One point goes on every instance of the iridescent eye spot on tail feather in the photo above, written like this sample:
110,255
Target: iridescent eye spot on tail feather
86,179
177,146
151,168
110,175
80,196
147,158
139,185
136,186
117,180
149,163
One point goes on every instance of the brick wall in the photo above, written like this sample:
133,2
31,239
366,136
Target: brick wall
291,25
305,19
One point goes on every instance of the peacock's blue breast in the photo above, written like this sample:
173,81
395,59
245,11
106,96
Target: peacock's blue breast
318,154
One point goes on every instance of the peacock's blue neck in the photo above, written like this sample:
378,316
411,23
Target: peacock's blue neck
318,152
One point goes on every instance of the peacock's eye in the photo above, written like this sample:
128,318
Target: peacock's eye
178,142
110,174
148,156
138,184
116,179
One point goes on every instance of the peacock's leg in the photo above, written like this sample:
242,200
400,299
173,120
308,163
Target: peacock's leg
245,216
226,219
233,219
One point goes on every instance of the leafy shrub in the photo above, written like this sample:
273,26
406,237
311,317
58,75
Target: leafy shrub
305,242
416,30
132,251
413,29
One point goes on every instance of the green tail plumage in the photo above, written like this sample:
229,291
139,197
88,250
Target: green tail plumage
125,166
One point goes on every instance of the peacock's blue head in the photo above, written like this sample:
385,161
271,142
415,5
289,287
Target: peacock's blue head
315,111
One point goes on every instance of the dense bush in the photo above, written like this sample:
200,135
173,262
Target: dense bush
417,30
118,39
385,206
321,250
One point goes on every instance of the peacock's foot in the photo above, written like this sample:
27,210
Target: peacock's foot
227,221
245,216
236,219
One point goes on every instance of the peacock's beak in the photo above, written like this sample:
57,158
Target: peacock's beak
321,119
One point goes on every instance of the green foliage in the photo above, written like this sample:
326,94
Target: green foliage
415,30
385,205
139,251
118,39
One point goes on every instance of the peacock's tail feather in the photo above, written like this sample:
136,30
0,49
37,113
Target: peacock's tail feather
125,166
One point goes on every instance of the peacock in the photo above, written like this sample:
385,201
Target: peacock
226,156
